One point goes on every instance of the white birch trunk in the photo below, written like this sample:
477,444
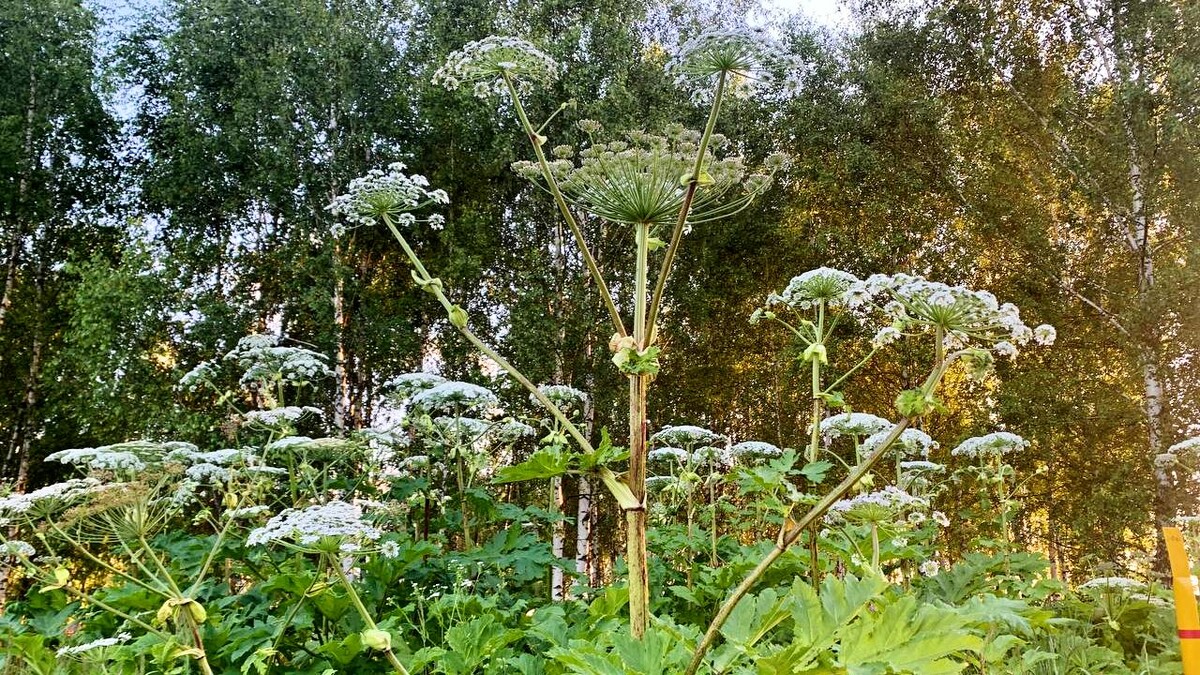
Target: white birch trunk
558,543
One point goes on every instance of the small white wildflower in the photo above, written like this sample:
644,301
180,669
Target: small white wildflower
930,568
941,519
1045,335
389,549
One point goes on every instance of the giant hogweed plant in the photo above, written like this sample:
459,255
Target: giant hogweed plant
658,185
964,327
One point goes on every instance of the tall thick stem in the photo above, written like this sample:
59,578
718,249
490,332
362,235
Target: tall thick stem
639,589
538,395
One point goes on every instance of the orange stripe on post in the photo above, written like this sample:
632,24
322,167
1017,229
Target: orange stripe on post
1186,614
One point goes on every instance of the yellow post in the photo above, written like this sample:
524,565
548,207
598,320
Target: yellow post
1186,615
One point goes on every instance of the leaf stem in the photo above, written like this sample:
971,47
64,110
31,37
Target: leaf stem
660,284
589,260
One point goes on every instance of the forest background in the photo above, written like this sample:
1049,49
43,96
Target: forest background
164,174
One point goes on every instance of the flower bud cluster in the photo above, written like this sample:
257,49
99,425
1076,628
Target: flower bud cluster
643,178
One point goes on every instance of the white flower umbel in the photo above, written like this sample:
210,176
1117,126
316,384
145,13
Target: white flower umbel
710,455
389,193
277,417
50,497
208,473
16,547
635,180
484,64
929,568
755,449
449,397
404,386
389,549
95,644
320,528
884,505
747,57
686,436
222,457
205,372
461,430
1121,583
911,443
247,512
1190,446
509,432
99,459
677,456
922,466
805,290
853,424
263,360
991,445
568,399
1045,335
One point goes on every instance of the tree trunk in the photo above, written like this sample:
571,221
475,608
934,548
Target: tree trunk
558,541
22,438
10,275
